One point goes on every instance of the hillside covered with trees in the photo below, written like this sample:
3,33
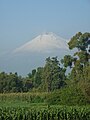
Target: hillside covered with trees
73,88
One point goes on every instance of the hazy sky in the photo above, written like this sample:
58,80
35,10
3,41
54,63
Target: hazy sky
21,20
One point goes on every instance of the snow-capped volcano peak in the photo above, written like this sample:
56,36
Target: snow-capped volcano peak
46,42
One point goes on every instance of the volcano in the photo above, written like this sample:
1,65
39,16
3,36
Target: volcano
33,53
44,43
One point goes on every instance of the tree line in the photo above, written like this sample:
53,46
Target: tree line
44,79
52,76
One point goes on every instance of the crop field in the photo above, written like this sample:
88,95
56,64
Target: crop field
30,106
45,113
22,99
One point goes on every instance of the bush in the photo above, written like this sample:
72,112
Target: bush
67,96
53,98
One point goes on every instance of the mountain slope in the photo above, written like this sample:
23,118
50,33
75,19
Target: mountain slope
33,54
44,43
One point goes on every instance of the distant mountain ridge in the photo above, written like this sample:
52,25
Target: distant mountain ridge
44,43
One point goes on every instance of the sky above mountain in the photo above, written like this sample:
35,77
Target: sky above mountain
21,20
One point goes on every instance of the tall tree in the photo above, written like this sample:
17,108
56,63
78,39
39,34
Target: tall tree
81,42
67,61
53,75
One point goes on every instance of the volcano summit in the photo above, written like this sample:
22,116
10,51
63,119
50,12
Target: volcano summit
44,43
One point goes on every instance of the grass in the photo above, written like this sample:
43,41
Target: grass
23,100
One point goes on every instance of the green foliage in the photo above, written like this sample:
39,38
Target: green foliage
52,113
80,41
67,61
38,77
27,84
80,74
26,98
72,96
54,98
67,96
47,78
72,89
10,83
53,75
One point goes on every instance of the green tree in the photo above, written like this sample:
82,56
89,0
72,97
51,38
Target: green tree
80,74
80,41
38,77
67,61
53,75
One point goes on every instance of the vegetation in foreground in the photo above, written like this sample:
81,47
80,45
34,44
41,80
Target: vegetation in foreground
74,87
46,113
49,85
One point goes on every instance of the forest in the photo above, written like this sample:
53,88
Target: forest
61,88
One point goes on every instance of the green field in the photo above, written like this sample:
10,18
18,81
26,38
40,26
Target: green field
50,92
45,113
22,99
32,106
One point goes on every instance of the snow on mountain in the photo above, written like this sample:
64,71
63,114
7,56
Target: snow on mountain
44,43
33,54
